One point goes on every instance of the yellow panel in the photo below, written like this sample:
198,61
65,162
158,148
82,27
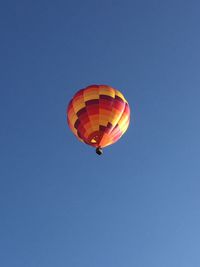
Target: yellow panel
78,104
123,122
104,90
91,93
120,95
71,115
90,96
73,120
125,127
114,118
121,130
116,115
92,88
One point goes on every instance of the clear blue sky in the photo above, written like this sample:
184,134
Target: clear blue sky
137,205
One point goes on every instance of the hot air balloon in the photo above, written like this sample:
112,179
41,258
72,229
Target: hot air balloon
98,115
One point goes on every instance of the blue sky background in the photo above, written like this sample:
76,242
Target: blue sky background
138,204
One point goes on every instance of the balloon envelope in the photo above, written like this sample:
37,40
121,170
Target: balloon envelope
98,115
